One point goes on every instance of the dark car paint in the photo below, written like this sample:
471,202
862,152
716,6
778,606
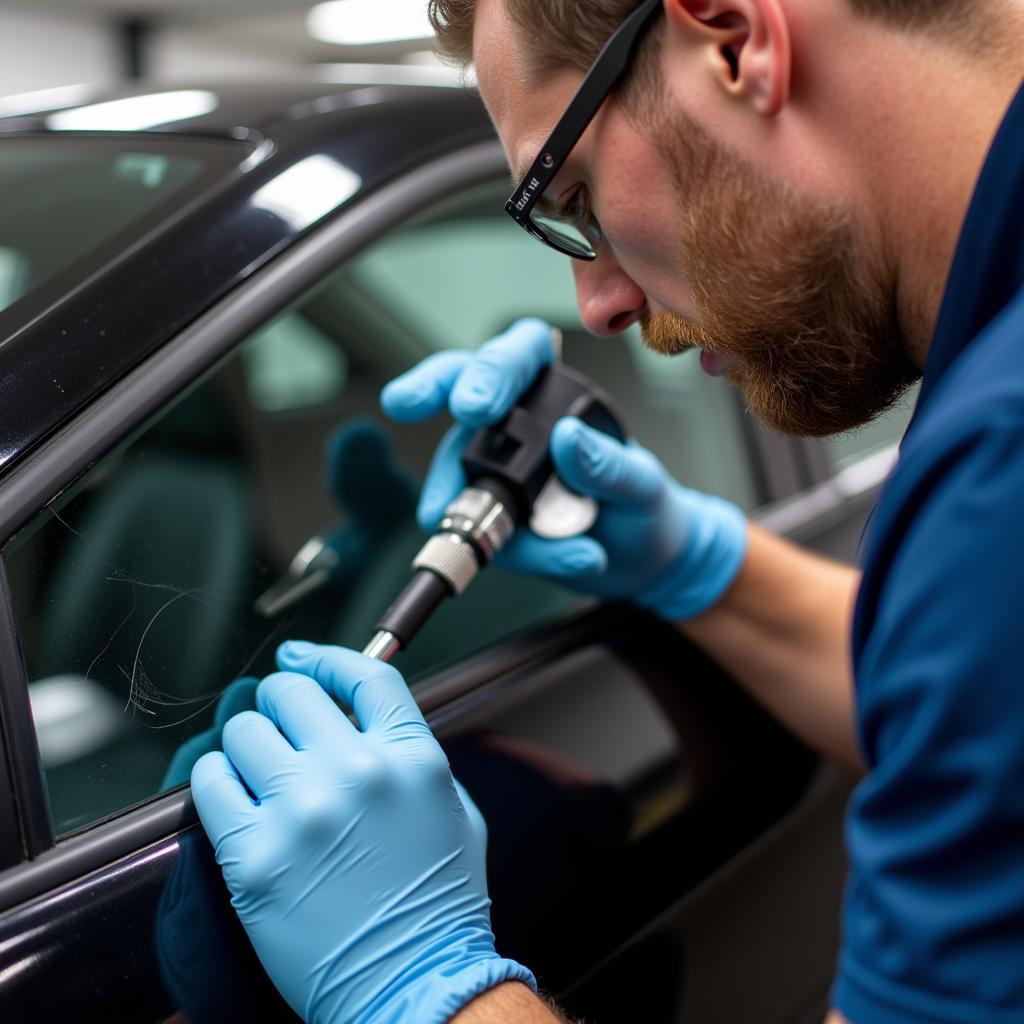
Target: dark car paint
86,933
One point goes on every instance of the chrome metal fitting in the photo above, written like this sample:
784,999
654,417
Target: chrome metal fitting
479,517
384,646
450,557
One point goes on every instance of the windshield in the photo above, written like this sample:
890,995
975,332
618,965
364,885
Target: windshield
69,200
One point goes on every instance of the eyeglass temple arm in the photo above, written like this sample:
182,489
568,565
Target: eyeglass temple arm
606,70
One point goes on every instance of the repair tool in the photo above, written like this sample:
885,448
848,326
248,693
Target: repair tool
511,483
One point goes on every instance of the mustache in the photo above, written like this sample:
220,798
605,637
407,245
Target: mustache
672,335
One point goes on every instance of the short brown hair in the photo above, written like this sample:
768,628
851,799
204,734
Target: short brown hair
570,33
588,25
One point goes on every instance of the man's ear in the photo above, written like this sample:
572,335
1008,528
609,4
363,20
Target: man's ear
746,43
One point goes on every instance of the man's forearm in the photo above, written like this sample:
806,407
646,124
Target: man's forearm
514,1002
783,630
505,1003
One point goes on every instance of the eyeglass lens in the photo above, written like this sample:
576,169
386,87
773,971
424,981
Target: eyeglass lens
569,237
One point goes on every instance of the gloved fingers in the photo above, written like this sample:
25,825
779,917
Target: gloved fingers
303,712
424,390
446,479
599,466
578,558
238,697
256,749
185,757
502,370
475,818
375,691
219,795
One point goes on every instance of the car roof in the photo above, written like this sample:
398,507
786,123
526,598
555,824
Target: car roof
257,105
68,341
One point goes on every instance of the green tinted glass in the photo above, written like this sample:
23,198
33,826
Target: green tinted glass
79,195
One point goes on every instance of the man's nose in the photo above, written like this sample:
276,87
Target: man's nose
609,299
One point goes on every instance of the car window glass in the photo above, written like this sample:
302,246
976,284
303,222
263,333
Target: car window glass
79,193
293,365
883,432
141,593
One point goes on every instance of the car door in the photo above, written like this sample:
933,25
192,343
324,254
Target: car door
654,836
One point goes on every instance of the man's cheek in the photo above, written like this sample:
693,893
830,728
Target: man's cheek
652,256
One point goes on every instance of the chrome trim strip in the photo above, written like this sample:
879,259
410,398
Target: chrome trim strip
814,509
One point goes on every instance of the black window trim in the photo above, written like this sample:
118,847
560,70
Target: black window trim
28,815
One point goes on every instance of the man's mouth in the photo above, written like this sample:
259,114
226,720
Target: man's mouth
716,365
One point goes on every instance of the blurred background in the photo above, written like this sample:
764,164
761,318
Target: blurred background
51,44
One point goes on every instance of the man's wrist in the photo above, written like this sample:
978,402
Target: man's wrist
435,993
510,1001
704,572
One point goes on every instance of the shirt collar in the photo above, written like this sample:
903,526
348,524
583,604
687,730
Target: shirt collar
988,268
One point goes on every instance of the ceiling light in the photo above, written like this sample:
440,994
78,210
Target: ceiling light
389,74
135,114
310,190
44,99
361,22
429,60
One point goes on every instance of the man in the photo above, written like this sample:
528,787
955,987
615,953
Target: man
782,184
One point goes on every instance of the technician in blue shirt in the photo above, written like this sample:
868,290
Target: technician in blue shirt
782,184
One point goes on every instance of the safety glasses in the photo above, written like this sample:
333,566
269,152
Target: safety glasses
574,235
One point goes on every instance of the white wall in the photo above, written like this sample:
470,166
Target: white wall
183,53
42,51
48,50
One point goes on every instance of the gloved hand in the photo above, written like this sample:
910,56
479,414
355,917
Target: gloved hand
663,546
358,871
239,696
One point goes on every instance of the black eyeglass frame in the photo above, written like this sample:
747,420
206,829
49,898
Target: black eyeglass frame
607,69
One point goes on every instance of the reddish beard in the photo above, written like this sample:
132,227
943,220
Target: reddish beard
780,286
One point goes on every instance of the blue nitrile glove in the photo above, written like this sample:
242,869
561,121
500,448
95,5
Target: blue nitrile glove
659,544
358,870
239,696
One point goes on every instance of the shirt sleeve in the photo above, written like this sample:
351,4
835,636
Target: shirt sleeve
933,927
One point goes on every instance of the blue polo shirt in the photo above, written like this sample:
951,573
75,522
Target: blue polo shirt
933,926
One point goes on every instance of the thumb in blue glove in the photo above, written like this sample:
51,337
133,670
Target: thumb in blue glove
355,864
663,546
478,389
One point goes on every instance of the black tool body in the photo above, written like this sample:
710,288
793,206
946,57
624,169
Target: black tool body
513,457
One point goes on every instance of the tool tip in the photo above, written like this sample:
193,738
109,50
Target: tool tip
556,340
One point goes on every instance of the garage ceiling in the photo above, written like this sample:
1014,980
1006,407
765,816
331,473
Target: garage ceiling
177,10
275,29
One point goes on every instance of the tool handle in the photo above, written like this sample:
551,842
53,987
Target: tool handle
515,452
